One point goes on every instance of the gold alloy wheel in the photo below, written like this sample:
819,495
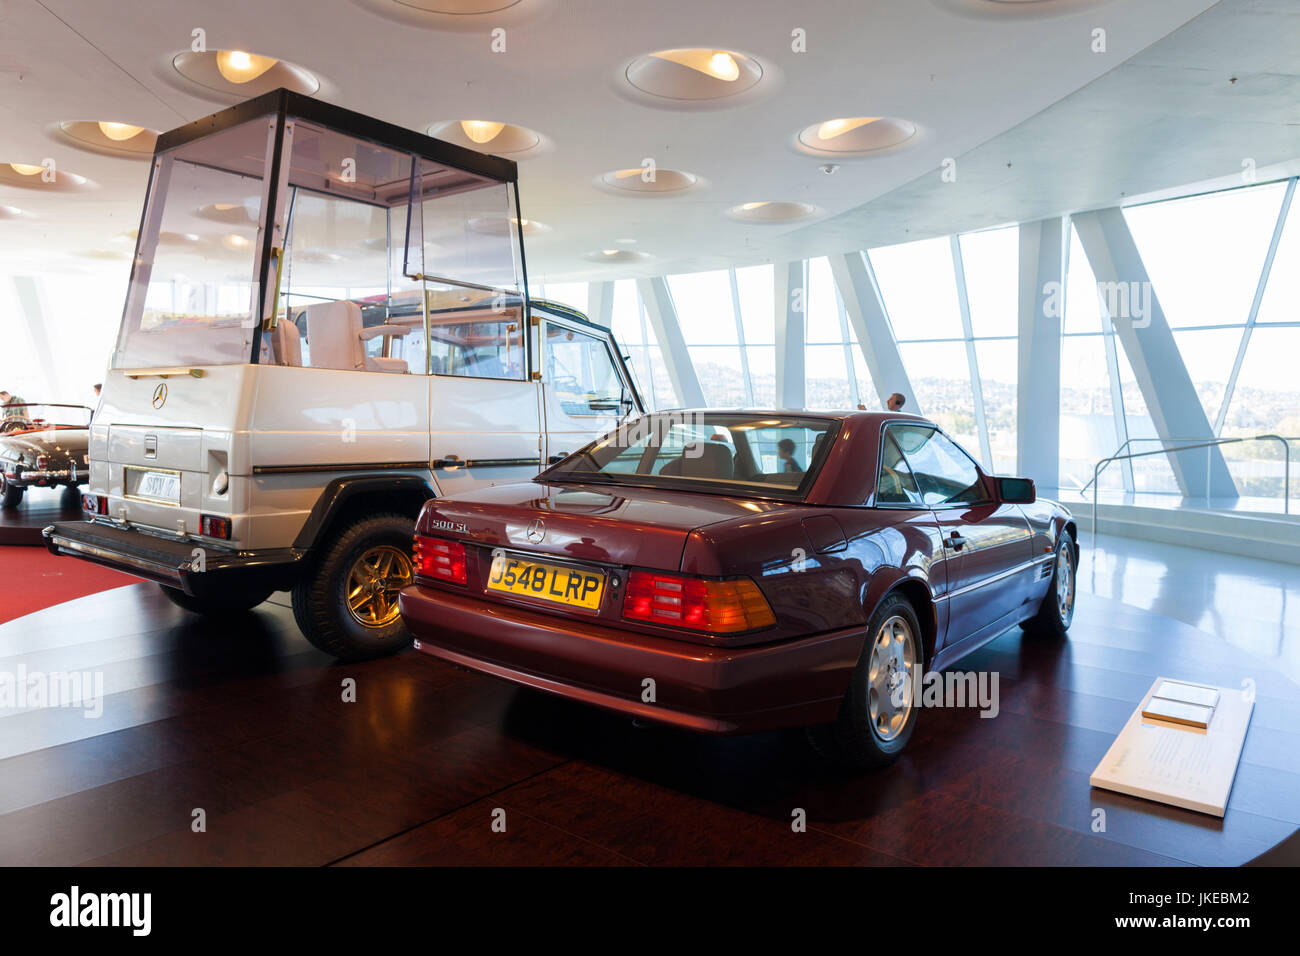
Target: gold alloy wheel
373,582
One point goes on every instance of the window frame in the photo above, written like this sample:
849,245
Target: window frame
983,482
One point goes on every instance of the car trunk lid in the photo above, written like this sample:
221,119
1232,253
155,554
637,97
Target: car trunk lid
623,526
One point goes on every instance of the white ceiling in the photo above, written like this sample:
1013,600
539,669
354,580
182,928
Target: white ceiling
989,83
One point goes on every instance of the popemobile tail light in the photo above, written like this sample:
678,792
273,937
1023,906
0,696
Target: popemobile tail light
440,559
214,526
697,604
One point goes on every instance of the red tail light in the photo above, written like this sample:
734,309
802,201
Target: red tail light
699,604
440,559
214,526
94,504
42,462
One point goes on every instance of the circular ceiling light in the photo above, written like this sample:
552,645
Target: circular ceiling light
693,76
490,136
31,176
460,8
12,212
230,213
238,73
616,256
643,181
507,226
772,212
118,139
855,136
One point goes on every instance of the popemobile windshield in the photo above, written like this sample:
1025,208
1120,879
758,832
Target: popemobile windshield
327,324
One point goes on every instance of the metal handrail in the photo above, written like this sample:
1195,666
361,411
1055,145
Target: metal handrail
1195,443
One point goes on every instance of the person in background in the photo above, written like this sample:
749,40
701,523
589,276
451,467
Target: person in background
895,402
785,451
12,406
98,387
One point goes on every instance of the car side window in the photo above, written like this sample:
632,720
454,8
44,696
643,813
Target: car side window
944,473
895,485
581,372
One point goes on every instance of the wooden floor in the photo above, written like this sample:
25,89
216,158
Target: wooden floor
247,723
39,507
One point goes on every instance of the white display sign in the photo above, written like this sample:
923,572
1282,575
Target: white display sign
1179,763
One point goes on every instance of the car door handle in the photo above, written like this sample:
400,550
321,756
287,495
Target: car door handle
955,541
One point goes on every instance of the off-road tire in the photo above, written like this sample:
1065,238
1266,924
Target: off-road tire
320,597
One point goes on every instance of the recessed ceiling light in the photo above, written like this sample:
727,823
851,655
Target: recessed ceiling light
29,176
500,139
112,138
240,74
118,132
507,225
616,255
238,66
838,127
854,136
235,214
652,181
693,75
481,131
235,242
718,64
12,212
772,212
460,8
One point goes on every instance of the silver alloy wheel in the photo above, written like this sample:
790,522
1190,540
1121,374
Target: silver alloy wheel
889,678
1064,581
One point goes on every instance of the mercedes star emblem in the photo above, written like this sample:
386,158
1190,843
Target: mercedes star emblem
536,531
160,395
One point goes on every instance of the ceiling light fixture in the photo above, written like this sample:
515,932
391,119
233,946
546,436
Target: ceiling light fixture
718,64
240,67
481,131
119,132
838,127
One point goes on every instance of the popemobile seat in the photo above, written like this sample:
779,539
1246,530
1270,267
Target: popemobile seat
336,338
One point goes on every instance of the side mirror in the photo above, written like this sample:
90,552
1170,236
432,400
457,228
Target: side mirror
1016,491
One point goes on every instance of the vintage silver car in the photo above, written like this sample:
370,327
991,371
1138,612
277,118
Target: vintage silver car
43,446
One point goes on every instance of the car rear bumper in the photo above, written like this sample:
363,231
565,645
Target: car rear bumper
195,567
46,477
717,690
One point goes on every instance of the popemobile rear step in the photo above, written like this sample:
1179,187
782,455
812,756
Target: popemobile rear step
350,336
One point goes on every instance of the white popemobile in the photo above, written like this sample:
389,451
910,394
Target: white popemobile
327,324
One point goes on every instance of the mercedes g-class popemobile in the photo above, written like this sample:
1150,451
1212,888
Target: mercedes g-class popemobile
328,323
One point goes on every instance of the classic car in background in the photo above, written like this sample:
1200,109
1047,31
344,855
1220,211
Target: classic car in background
728,572
42,446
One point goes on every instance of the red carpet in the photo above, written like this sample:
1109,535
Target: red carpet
32,579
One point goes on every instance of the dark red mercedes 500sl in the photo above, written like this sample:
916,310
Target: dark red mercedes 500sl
728,572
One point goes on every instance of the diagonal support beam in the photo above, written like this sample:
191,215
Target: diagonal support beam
865,308
661,312
1126,293
600,303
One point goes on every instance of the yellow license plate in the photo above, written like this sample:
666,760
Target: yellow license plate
547,582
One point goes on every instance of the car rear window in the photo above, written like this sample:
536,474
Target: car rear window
722,453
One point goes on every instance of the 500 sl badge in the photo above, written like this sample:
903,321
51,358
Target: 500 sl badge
450,526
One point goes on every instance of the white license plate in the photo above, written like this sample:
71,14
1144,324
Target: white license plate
161,486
